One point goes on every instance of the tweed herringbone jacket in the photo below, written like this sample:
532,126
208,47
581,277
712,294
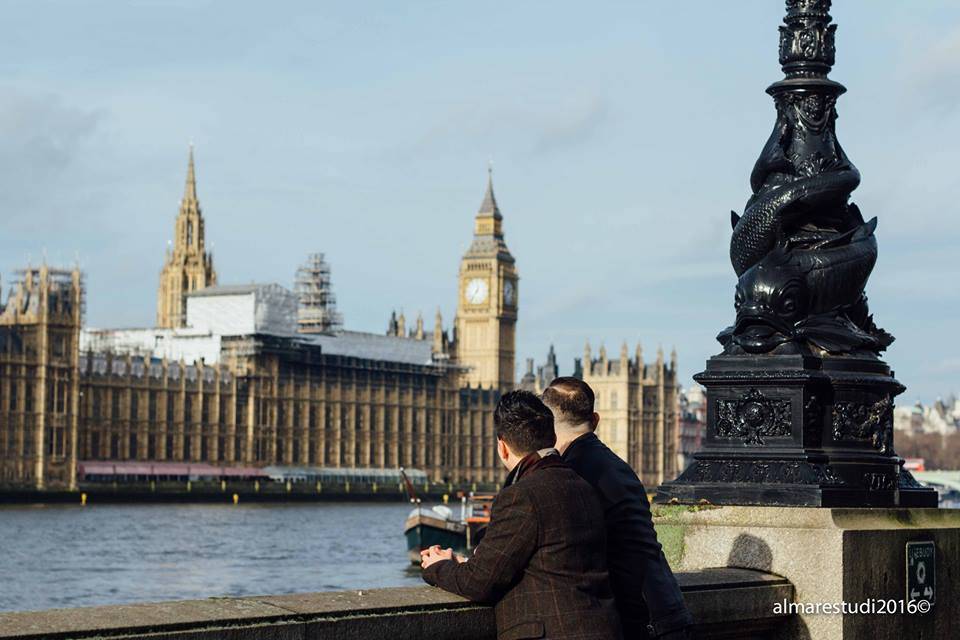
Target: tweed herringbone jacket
542,560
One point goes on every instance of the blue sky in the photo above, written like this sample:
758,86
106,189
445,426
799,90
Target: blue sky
622,133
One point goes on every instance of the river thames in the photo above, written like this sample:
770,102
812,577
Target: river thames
72,556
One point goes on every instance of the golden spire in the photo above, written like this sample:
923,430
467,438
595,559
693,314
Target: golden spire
190,189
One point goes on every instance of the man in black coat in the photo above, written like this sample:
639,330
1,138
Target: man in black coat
543,559
647,594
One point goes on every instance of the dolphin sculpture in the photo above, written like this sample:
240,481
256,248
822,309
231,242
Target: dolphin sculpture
812,292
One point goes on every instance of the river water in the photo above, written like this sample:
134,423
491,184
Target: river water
72,556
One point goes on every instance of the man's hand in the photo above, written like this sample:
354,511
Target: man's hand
434,554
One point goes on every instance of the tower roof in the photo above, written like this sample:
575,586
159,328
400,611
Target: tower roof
489,205
488,228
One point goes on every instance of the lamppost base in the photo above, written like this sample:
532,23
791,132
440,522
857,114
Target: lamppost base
798,430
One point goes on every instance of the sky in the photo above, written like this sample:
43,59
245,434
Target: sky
621,136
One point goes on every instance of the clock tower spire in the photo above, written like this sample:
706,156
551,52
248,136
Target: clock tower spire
487,305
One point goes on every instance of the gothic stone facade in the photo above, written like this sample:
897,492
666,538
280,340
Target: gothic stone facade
637,403
340,399
278,400
39,387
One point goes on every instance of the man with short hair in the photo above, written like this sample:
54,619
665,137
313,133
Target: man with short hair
648,597
543,559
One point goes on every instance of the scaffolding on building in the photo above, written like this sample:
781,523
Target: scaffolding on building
24,294
317,309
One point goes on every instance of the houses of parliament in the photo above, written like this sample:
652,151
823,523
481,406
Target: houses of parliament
256,375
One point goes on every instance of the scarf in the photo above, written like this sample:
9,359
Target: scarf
542,459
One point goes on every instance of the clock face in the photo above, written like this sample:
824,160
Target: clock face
476,291
509,293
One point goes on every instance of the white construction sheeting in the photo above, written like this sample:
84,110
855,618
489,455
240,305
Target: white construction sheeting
189,345
211,313
240,310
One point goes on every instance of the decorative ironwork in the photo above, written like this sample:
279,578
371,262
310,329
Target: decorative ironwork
907,481
812,416
807,46
753,417
803,333
761,472
801,252
878,481
858,421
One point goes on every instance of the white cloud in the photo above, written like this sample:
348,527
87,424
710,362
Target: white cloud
41,137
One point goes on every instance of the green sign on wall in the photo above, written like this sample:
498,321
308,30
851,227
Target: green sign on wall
921,571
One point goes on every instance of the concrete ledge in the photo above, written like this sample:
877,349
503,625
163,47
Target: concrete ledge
829,556
727,603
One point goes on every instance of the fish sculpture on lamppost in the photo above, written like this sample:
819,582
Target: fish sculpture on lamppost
800,405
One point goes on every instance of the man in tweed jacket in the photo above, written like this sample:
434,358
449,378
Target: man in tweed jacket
542,560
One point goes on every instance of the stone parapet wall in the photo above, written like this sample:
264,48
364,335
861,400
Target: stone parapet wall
830,556
727,603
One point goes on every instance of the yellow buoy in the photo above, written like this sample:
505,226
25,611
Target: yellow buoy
236,498
446,498
83,499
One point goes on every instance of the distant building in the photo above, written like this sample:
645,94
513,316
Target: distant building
549,371
528,382
637,403
230,376
943,418
537,382
188,266
486,319
39,387
693,421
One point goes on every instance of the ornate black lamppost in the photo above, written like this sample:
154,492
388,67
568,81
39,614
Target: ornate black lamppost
800,406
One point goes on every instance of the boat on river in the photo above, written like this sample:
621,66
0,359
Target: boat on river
438,525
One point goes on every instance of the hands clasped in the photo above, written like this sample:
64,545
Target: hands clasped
436,554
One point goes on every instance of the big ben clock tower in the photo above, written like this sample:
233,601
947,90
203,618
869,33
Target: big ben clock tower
487,304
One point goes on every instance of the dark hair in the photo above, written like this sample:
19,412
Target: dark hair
570,397
524,422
